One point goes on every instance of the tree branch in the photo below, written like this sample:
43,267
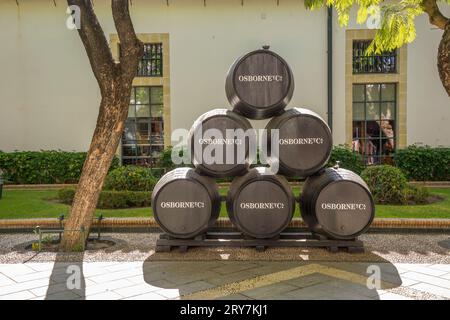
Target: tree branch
131,47
97,48
435,16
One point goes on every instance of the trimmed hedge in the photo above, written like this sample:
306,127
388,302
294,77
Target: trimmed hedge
424,163
347,158
112,199
130,178
38,167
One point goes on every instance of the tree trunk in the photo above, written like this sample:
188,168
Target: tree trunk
444,59
114,80
108,131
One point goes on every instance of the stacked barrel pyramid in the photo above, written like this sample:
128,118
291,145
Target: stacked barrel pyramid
334,202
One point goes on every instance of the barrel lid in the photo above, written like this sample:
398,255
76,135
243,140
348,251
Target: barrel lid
305,141
181,203
344,208
211,141
262,79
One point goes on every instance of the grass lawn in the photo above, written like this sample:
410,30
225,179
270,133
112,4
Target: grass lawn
34,204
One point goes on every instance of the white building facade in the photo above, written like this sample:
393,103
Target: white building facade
49,96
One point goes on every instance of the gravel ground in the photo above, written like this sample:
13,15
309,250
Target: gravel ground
396,248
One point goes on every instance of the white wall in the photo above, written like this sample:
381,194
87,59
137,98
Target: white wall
50,97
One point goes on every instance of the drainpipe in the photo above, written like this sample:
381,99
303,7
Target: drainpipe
330,67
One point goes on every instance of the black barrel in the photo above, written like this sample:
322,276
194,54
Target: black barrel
260,205
337,203
259,84
211,135
304,145
185,204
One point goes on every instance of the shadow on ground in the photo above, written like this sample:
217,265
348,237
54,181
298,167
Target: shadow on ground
253,278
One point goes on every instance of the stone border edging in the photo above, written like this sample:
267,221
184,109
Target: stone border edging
144,223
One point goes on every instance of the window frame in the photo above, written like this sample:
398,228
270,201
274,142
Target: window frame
379,101
151,142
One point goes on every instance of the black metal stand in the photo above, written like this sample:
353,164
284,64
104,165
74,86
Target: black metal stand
166,243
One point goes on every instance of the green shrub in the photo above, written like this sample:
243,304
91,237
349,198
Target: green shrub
347,158
424,163
415,195
131,178
112,199
165,159
387,183
35,167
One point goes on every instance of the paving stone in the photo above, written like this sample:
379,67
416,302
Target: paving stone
16,269
408,282
232,267
236,296
4,281
32,276
123,266
147,296
108,286
442,267
269,291
325,291
433,289
194,287
427,269
65,295
183,278
440,282
136,290
229,278
51,289
111,276
22,295
310,280
107,295
168,293
17,287
40,266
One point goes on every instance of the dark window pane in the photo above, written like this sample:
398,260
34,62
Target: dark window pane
129,151
157,111
156,95
385,62
142,111
388,92
142,95
373,129
373,111
358,111
129,131
387,110
359,92
359,129
373,92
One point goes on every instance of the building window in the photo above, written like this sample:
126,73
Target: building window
374,63
374,121
151,64
143,137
